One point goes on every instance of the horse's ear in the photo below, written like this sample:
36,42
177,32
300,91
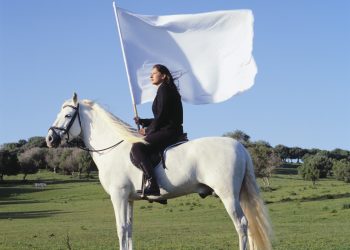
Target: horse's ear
75,98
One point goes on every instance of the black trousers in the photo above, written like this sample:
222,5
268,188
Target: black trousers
157,142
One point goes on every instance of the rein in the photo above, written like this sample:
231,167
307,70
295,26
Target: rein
94,150
70,124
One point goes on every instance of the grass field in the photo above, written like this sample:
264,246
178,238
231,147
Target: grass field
77,214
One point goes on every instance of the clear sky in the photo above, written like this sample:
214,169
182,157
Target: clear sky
49,49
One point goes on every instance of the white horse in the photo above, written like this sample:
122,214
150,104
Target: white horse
216,164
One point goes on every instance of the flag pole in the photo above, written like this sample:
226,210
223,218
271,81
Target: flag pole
125,62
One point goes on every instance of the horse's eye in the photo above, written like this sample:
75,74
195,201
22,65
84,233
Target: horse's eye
68,116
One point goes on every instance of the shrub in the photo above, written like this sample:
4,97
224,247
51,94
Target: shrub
315,166
341,170
8,163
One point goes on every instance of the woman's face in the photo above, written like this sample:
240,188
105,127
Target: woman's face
156,77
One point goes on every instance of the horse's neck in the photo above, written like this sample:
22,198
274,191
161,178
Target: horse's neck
97,134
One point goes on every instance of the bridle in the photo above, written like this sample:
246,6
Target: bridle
70,124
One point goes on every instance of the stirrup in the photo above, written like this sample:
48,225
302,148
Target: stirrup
152,188
142,190
150,192
146,188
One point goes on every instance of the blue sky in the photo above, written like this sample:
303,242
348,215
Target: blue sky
49,49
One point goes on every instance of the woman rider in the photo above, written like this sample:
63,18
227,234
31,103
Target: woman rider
163,129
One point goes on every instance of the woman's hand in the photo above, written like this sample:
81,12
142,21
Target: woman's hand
142,131
137,120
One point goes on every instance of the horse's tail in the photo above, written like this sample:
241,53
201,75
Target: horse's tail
259,228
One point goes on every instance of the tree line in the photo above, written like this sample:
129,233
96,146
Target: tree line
28,157
312,164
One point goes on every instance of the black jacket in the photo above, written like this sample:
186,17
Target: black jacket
167,111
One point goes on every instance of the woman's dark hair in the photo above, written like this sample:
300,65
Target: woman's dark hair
169,79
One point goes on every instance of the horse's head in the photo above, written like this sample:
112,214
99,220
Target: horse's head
67,124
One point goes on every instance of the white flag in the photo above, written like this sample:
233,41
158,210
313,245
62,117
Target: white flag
210,53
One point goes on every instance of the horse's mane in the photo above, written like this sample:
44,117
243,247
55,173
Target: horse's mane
124,130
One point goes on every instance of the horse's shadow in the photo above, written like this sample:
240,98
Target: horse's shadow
29,214
12,192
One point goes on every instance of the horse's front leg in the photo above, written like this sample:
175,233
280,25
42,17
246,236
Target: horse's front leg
119,199
129,222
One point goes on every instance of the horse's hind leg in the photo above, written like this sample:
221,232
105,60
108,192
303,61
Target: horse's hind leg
235,211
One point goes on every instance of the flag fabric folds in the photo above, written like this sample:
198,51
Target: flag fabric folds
209,53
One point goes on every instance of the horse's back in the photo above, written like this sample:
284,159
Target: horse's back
204,159
220,156
208,147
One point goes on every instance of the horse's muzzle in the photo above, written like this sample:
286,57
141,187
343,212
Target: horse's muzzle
53,140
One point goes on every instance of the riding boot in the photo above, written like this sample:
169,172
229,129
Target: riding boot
151,187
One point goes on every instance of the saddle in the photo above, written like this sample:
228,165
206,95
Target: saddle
159,157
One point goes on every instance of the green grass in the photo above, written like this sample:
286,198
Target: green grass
75,214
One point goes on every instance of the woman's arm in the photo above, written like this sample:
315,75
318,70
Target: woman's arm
162,114
142,122
145,122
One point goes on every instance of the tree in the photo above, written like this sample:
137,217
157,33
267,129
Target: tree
339,154
239,136
79,161
11,147
309,171
282,151
263,143
314,151
68,161
265,160
74,143
53,159
85,162
32,160
341,170
22,142
315,166
8,163
35,142
297,153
